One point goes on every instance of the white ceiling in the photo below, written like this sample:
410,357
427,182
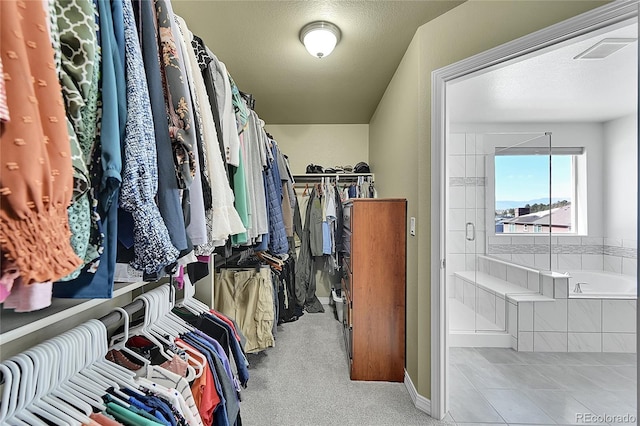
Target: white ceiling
552,86
258,42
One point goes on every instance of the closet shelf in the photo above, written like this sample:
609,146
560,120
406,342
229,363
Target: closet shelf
313,177
14,325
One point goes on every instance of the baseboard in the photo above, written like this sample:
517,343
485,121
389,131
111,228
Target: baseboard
420,402
479,340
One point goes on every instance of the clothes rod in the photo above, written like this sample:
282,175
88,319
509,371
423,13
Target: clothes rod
116,316
340,177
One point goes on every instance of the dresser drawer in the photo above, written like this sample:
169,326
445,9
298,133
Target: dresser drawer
346,215
345,311
348,344
346,265
346,282
346,243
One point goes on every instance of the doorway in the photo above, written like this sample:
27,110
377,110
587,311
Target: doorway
581,27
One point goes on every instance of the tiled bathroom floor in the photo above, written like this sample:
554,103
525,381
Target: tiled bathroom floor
502,386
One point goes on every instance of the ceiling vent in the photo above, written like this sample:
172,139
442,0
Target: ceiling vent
604,48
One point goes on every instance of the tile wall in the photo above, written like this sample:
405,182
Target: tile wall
560,324
466,203
565,325
573,325
486,304
561,253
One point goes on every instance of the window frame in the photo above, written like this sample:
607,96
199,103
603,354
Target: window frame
578,184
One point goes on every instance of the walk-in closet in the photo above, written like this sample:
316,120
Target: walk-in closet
156,240
223,212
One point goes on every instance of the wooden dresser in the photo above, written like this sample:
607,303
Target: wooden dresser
373,287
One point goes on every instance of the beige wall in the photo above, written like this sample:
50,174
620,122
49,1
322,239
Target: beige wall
325,144
402,125
393,135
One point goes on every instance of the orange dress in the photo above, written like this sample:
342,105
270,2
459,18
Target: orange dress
36,176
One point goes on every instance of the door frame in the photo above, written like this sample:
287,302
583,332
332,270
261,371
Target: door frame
596,19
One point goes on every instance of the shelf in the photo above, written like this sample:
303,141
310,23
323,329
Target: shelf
14,325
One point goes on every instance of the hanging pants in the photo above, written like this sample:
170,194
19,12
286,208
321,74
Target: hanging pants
246,296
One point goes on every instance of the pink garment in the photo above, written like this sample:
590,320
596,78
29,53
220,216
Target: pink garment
176,365
104,420
28,298
179,278
10,273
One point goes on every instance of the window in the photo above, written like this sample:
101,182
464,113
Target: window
534,189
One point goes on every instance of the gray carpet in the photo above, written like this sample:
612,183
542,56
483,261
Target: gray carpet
304,380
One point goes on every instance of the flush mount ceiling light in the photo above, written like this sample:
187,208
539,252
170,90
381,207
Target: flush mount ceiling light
320,38
604,48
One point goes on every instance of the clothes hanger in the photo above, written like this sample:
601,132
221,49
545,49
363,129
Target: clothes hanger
6,378
87,377
64,387
121,345
141,330
23,390
189,301
45,384
196,307
151,315
73,357
97,379
16,405
165,300
90,368
32,404
157,326
123,377
54,394
83,380
11,383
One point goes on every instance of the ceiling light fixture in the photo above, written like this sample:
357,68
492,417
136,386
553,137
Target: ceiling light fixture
320,38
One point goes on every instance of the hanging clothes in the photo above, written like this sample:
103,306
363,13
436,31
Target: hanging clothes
96,280
310,246
247,297
177,96
224,98
34,195
223,217
79,71
168,195
278,243
196,227
150,195
152,245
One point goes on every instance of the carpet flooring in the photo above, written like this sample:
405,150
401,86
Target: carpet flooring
304,380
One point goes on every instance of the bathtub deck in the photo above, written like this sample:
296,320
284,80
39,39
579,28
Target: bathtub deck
501,287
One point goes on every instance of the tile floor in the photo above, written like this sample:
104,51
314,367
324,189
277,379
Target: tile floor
502,386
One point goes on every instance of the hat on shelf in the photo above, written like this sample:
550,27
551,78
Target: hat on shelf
314,168
361,167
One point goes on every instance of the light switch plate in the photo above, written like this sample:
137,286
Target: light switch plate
412,226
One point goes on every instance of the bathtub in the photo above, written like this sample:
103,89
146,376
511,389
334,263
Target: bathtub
602,285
